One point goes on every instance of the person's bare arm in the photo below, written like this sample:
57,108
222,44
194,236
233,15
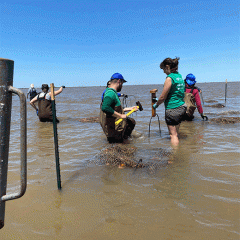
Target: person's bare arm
119,115
166,88
56,92
130,108
32,102
116,114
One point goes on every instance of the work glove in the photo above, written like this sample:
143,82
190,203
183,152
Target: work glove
37,111
155,106
155,99
204,117
63,86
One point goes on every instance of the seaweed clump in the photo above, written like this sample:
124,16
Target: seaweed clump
210,101
126,156
225,120
90,119
218,105
121,156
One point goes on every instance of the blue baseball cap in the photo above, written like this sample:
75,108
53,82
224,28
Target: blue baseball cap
118,76
190,79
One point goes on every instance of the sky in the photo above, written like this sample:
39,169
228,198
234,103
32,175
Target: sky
82,43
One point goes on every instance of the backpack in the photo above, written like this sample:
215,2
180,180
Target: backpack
189,100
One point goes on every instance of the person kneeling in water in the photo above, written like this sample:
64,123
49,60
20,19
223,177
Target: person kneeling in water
44,110
111,111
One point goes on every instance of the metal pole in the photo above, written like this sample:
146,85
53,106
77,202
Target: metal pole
6,80
55,137
225,92
202,98
6,89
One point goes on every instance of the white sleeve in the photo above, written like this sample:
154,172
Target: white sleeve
48,96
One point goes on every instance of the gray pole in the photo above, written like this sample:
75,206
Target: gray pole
6,89
225,92
6,80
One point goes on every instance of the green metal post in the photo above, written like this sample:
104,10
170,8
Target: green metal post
55,138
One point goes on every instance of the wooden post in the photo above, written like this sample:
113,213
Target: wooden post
153,95
55,137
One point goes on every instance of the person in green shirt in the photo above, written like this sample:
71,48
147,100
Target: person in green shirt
173,97
111,110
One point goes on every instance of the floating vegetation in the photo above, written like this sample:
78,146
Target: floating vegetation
123,155
90,119
225,120
219,105
119,155
229,113
210,101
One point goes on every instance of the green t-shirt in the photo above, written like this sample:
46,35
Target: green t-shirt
176,94
110,101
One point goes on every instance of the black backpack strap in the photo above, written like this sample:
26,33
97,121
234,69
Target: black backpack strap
198,89
41,97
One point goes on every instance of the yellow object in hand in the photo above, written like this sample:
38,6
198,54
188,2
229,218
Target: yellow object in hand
119,120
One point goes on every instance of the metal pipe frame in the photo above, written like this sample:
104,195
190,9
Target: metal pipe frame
6,90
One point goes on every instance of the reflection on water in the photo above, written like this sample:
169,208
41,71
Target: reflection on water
194,197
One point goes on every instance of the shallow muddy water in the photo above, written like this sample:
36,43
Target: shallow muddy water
195,197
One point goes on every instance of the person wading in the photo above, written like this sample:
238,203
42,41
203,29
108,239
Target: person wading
111,110
44,110
192,98
32,92
119,94
173,98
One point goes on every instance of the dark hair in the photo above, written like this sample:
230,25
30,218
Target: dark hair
45,86
172,63
114,80
108,83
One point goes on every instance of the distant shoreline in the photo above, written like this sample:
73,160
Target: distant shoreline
134,85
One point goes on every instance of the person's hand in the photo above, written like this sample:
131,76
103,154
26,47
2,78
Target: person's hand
37,111
124,95
155,106
155,99
135,108
123,116
63,86
204,117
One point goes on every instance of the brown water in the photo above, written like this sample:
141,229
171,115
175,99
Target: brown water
195,197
